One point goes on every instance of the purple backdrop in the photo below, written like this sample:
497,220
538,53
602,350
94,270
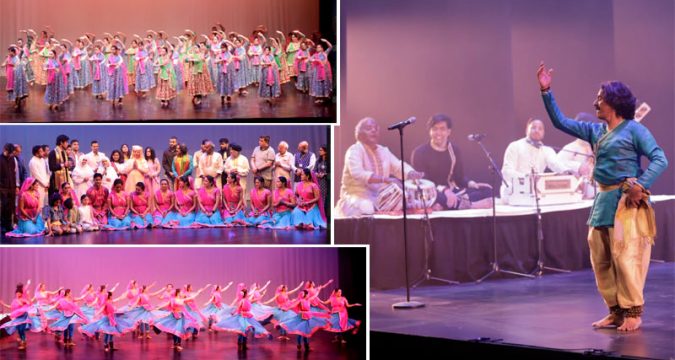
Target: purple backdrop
75,267
476,61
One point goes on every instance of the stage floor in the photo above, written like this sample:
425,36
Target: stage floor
292,106
224,236
207,346
554,311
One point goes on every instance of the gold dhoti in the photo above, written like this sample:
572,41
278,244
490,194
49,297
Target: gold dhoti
620,256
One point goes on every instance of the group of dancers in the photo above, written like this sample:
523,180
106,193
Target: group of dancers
224,63
95,312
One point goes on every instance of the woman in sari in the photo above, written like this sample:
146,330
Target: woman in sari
28,212
118,207
164,199
141,207
308,214
181,166
261,204
186,203
233,202
283,202
208,201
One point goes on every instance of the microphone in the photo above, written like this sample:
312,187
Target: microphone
403,123
476,137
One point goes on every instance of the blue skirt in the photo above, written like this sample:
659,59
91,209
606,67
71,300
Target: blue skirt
302,81
265,90
144,81
180,83
320,88
179,327
56,92
117,224
158,220
334,324
140,315
62,322
138,222
185,221
20,84
116,81
88,311
211,311
311,217
299,326
225,82
279,315
258,220
98,87
241,325
103,325
210,221
238,217
32,322
261,312
282,220
28,228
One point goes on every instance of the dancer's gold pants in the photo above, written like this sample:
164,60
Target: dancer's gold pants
620,267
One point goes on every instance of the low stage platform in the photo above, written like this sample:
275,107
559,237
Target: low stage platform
546,318
462,249
220,236
292,106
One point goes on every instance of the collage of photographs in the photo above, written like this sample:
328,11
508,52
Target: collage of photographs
337,179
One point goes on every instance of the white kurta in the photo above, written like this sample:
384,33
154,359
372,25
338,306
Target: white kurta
357,196
196,171
86,217
212,165
242,166
521,157
285,166
95,160
83,179
571,157
38,170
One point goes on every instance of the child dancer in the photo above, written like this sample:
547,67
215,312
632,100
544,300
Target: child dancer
117,76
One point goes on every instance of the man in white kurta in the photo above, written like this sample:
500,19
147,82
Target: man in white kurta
95,157
75,150
239,164
368,168
39,170
526,154
211,163
283,163
196,171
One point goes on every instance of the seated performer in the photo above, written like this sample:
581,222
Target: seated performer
370,171
441,162
579,155
526,154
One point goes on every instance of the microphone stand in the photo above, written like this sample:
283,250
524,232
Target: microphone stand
407,304
428,240
495,261
539,271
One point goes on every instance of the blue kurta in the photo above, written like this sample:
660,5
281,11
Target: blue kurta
617,157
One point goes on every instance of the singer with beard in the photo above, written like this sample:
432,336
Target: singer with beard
622,225
371,175
527,154
441,162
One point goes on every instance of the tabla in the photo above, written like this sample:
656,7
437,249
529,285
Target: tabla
389,198
417,199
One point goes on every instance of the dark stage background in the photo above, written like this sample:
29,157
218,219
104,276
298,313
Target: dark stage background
76,267
111,137
71,18
476,61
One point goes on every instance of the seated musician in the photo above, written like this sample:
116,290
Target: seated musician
371,176
441,162
579,155
528,154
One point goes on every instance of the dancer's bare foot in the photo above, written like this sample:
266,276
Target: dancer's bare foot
630,324
609,320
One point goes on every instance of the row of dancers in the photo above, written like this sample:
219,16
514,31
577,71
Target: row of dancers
224,63
100,209
95,312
